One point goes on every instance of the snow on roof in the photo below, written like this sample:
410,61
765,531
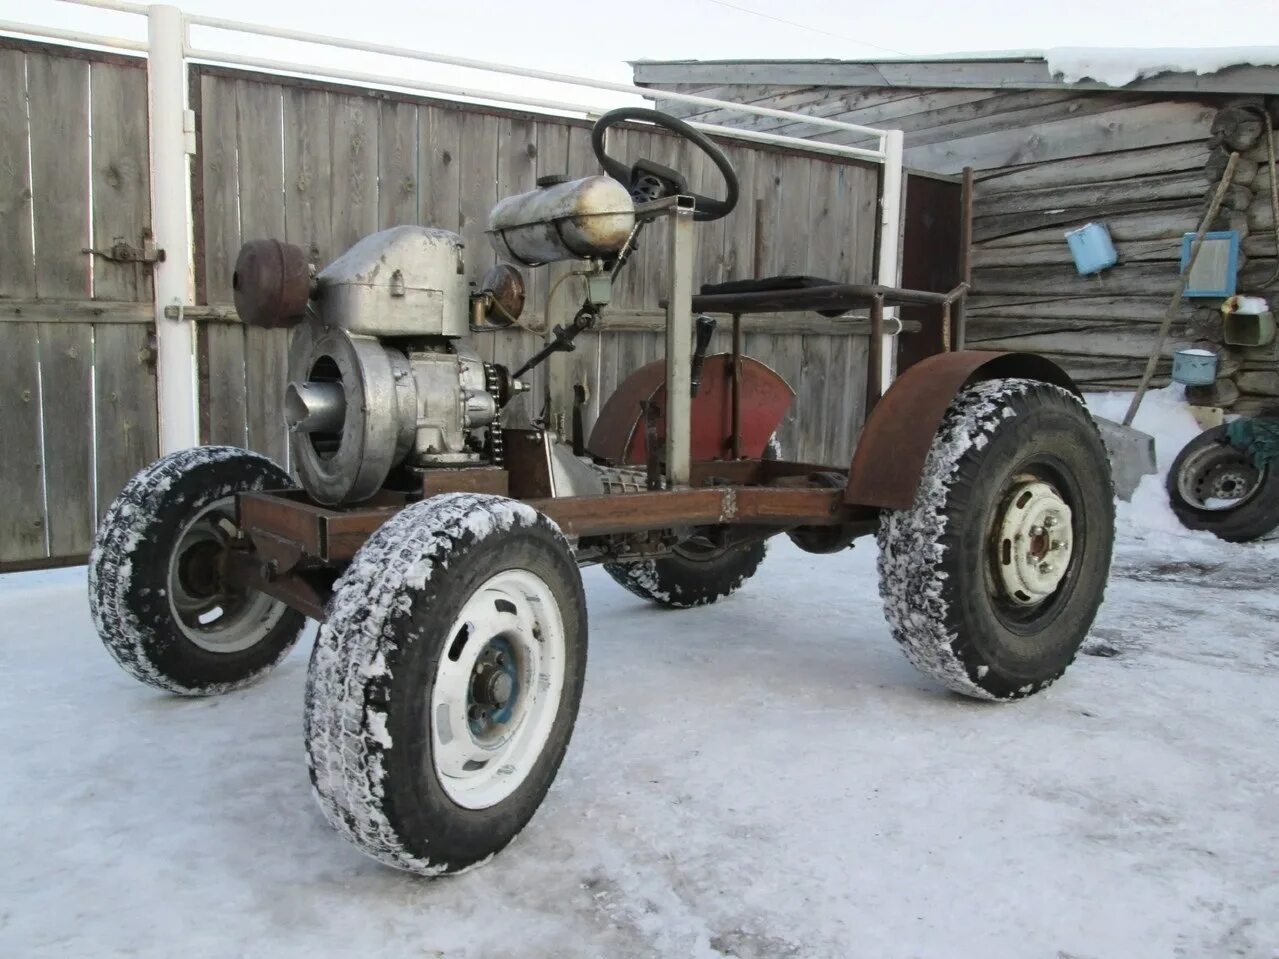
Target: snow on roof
1206,69
1120,66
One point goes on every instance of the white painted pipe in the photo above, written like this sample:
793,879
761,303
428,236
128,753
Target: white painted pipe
71,36
890,235
516,99
175,361
300,36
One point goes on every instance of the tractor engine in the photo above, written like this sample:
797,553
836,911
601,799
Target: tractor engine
381,375
382,380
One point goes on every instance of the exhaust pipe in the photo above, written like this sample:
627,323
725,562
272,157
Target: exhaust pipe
315,407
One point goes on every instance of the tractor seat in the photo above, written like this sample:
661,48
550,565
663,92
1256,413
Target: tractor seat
771,284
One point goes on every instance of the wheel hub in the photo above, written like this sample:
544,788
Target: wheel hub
497,688
494,689
211,614
1035,541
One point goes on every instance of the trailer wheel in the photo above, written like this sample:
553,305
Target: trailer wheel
993,577
156,591
445,682
695,574
1215,487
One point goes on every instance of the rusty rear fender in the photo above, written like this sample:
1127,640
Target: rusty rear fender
894,443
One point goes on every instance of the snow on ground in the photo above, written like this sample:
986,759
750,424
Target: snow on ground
763,778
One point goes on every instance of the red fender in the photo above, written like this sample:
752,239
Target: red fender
889,460
618,435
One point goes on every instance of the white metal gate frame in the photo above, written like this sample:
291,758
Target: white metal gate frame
172,143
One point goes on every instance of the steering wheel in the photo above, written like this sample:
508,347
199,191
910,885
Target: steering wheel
649,180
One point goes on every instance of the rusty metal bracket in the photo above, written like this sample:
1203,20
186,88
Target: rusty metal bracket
121,251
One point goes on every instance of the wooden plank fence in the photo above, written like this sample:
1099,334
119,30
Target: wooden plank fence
321,165
77,377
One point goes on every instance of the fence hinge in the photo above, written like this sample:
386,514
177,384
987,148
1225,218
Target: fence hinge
121,251
188,131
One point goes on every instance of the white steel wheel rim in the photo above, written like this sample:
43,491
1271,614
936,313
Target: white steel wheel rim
1034,542
213,618
513,617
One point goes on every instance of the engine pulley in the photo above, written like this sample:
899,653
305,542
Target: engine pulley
350,411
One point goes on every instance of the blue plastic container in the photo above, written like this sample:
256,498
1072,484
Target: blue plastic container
1194,367
1092,248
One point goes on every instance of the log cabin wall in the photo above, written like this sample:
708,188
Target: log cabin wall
1048,159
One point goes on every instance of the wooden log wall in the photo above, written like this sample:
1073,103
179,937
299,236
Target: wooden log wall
322,165
77,376
1047,161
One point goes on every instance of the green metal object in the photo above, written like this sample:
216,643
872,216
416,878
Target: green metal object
1258,437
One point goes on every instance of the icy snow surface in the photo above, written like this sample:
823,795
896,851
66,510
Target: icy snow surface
766,777
1120,66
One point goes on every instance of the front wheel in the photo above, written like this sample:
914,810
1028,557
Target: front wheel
445,682
992,579
157,589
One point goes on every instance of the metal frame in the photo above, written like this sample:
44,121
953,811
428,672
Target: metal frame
169,48
294,547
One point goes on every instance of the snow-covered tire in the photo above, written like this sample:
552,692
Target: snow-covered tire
946,564
688,577
139,577
1208,468
444,597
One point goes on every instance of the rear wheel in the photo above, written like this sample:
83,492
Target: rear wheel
157,587
992,579
1216,487
695,574
445,682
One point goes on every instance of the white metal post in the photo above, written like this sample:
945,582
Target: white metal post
890,234
679,344
166,91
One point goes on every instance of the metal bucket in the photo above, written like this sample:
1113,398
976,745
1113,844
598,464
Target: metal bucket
1194,367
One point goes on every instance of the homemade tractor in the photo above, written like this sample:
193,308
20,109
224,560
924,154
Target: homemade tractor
440,547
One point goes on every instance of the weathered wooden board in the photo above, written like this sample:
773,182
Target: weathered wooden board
1184,185
987,228
1093,169
17,266
66,391
126,431
260,171
220,181
22,521
439,166
121,177
1127,309
1141,225
397,163
1132,251
1113,341
58,97
354,186
227,393
265,372
1129,279
308,166
1123,129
